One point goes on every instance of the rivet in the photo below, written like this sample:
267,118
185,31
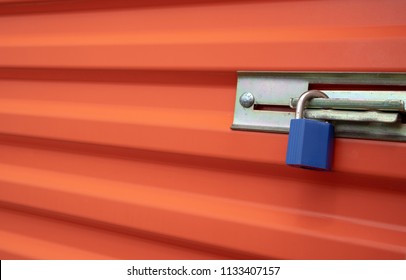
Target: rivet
247,99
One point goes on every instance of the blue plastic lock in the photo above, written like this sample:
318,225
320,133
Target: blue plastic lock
311,142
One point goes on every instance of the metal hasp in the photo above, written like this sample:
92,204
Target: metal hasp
360,105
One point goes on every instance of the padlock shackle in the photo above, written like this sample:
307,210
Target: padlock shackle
306,96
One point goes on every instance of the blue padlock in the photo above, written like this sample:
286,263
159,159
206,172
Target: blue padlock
311,142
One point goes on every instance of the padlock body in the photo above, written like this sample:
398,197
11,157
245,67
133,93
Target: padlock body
311,144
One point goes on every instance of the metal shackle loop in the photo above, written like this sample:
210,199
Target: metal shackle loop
306,96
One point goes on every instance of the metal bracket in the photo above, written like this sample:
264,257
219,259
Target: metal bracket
360,105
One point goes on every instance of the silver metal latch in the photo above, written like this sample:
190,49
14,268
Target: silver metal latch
360,105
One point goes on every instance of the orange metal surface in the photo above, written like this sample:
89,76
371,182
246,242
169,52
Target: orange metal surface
115,137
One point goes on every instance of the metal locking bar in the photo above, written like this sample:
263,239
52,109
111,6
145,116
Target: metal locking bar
353,109
353,104
361,105
352,116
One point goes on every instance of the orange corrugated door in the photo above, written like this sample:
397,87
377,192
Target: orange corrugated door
115,137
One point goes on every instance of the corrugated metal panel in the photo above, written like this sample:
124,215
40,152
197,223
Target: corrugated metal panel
115,139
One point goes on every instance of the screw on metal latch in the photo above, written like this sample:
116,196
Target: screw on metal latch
247,99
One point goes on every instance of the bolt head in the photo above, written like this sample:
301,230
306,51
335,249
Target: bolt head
247,100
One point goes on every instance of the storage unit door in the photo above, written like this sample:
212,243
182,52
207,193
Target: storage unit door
115,139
